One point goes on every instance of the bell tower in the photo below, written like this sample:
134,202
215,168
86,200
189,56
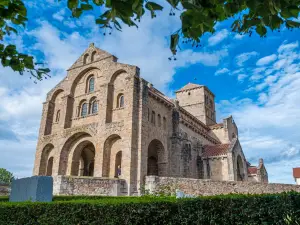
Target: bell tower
199,101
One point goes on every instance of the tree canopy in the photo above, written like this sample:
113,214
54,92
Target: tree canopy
197,18
6,176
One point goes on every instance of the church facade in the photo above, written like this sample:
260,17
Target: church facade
104,120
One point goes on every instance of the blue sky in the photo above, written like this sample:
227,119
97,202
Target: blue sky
256,80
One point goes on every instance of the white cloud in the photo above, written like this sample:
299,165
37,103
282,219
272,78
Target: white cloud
218,37
239,36
240,59
287,47
221,71
266,60
60,15
267,125
241,77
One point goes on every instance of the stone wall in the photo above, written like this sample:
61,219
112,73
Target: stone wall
4,189
208,187
71,185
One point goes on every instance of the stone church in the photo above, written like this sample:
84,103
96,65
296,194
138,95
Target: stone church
104,121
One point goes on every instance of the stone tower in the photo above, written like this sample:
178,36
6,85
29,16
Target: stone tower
199,101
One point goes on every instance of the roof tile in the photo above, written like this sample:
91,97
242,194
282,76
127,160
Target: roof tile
252,170
296,172
215,150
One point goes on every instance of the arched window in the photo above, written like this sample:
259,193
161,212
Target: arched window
84,109
85,57
57,116
165,122
159,120
120,101
153,117
93,56
94,107
91,84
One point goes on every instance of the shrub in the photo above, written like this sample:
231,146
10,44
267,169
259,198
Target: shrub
230,209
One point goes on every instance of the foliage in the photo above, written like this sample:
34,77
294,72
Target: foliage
230,209
198,16
6,176
13,16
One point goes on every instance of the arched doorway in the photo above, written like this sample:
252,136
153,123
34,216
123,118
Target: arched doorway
65,159
239,168
49,167
112,155
156,164
83,159
43,170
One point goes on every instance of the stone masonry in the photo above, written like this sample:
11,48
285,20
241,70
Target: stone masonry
103,120
198,187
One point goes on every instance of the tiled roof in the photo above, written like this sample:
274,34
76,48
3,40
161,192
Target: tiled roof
216,125
296,172
215,150
189,86
252,170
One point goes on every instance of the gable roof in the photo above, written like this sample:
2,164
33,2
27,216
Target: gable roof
100,54
215,150
189,86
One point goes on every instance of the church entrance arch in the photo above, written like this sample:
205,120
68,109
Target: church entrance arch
83,159
45,160
239,168
112,156
156,159
65,159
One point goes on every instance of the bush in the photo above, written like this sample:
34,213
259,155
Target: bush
230,209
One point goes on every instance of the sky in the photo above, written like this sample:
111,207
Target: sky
256,80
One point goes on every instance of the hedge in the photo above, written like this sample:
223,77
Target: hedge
230,209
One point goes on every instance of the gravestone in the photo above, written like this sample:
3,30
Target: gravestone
35,189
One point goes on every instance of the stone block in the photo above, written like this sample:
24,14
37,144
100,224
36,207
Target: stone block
35,189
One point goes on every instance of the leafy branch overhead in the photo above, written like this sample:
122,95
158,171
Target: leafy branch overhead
198,16
13,15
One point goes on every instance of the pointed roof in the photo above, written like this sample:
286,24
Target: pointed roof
98,53
189,86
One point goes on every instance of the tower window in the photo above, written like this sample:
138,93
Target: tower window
85,57
93,56
189,93
91,84
120,101
94,107
84,109
57,116
159,120
153,117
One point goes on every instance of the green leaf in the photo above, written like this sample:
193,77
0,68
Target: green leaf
174,43
77,13
294,11
86,7
4,2
153,6
101,21
72,4
98,2
28,62
292,24
261,30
